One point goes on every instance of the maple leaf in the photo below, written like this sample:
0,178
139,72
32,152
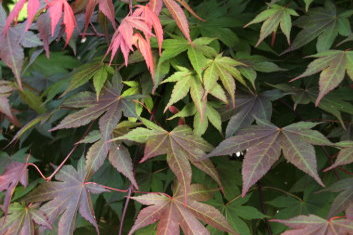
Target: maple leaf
333,65
109,108
264,143
185,82
97,71
12,43
173,213
345,155
321,23
105,6
274,17
15,172
254,64
21,220
6,89
236,212
333,102
200,126
65,197
180,145
150,15
344,200
123,36
32,9
198,51
223,68
248,107
314,225
58,9
179,16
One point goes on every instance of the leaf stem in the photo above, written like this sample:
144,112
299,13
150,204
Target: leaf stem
262,206
283,191
110,188
39,171
121,226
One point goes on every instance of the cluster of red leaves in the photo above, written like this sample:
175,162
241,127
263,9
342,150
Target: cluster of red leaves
135,30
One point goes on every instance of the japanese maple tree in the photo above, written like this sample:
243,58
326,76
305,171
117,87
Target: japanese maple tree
176,117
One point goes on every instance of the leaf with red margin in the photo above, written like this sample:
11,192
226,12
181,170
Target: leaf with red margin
179,16
15,172
314,225
333,66
173,213
264,143
180,145
119,157
66,197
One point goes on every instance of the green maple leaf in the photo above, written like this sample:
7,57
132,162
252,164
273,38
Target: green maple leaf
255,64
180,145
200,126
173,213
333,65
96,70
274,17
22,219
198,51
264,143
66,197
322,23
236,212
223,68
185,82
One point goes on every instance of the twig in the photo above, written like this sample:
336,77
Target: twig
110,188
37,168
283,191
125,209
262,205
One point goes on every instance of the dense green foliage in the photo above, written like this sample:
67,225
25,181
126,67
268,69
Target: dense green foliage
206,117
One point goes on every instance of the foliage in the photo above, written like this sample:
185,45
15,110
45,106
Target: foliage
171,117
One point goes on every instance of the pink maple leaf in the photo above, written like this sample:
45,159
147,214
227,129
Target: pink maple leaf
32,9
15,172
123,36
57,9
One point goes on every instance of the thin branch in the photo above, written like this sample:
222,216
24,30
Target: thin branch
262,205
284,192
62,163
39,171
121,226
110,188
